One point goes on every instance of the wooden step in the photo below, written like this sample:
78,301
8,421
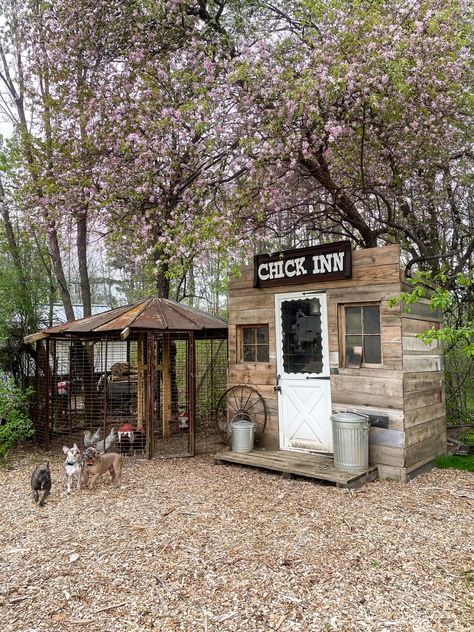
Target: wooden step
315,466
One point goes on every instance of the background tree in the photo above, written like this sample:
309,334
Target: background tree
169,139
358,125
25,291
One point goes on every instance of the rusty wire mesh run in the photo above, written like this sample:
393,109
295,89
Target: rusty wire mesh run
152,394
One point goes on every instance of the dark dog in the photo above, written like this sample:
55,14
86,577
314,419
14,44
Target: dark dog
41,481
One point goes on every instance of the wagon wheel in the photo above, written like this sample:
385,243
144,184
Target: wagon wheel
241,402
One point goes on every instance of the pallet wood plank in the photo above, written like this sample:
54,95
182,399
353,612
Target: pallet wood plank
421,415
413,344
413,326
429,448
317,467
423,398
422,380
424,431
414,363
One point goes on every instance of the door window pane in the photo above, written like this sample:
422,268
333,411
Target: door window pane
302,336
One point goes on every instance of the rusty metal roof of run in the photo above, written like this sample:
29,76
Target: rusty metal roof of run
153,314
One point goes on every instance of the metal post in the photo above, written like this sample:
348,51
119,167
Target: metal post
191,394
167,395
47,387
150,394
36,388
105,388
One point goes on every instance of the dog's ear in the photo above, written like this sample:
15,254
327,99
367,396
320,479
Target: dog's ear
75,447
47,465
65,449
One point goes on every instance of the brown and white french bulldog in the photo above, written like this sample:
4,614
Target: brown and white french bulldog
98,464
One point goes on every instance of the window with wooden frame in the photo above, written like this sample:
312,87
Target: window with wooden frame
361,335
253,343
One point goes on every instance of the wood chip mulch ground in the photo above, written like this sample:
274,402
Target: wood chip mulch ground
188,545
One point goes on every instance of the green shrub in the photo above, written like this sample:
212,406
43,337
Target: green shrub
15,424
468,437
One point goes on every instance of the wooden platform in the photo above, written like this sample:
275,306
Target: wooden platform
288,463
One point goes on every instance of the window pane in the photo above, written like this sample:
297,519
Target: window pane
249,335
371,319
372,352
249,353
353,341
262,353
262,335
353,320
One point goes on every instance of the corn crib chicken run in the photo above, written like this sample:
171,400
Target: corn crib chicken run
153,371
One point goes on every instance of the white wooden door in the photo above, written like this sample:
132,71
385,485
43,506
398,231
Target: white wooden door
304,398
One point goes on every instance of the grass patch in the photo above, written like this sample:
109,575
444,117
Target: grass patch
452,462
468,437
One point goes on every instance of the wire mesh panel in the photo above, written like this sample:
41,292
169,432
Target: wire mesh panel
41,407
190,376
86,390
172,414
211,382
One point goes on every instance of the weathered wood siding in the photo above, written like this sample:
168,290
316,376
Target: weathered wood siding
423,389
406,388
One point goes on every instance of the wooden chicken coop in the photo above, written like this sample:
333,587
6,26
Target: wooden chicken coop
311,333
146,378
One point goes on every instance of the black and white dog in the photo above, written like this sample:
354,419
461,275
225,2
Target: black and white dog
74,466
41,481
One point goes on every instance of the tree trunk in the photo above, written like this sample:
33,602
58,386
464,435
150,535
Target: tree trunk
53,245
318,168
82,257
83,214
162,281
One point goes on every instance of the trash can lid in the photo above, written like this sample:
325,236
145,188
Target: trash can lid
242,423
349,417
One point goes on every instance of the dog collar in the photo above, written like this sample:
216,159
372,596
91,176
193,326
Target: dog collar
71,462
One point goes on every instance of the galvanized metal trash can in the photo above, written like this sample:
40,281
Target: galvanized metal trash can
350,432
242,435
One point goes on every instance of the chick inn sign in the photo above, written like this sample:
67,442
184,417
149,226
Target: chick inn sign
327,262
